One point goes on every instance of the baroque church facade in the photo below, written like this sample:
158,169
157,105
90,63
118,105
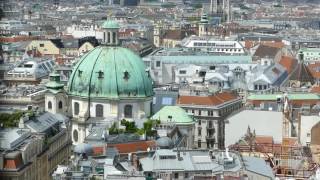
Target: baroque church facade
108,84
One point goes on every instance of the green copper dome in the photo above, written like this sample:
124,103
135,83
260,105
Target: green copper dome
110,24
111,73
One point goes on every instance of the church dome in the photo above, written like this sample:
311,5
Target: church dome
110,24
111,73
165,143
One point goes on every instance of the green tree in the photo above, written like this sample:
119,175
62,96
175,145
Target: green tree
113,129
148,127
10,120
130,126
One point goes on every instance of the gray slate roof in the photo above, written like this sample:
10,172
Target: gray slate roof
258,165
44,122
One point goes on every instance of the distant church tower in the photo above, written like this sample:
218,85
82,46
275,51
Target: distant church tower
203,25
55,97
221,8
157,36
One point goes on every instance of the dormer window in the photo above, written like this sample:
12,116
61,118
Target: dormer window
126,75
100,74
79,73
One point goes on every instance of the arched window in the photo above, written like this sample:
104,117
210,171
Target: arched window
60,105
99,110
114,37
49,105
128,111
76,108
108,37
75,135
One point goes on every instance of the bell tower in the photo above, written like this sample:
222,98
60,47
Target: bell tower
203,25
55,97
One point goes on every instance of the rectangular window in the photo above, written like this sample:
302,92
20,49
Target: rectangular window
199,122
166,101
41,45
176,175
158,64
182,72
192,111
186,175
210,124
199,113
199,143
199,131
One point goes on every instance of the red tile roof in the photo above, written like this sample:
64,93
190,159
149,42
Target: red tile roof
274,44
19,38
315,89
288,62
264,139
248,44
177,34
14,162
314,70
131,147
98,150
207,100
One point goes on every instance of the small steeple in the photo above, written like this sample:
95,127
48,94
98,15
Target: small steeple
110,33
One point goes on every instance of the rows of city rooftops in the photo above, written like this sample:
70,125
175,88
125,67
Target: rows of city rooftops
191,52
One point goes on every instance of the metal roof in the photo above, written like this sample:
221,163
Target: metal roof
178,115
111,73
44,122
258,165
10,138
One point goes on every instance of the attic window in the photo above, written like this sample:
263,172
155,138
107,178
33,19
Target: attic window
79,73
126,75
100,74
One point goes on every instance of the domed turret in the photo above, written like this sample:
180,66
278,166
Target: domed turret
110,33
111,73
165,143
54,83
